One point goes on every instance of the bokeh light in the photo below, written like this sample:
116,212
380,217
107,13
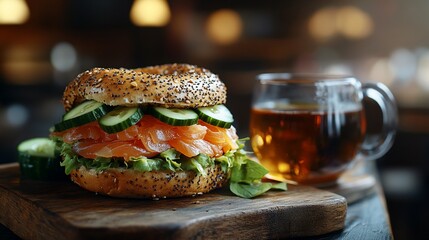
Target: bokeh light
338,69
381,71
224,26
63,57
16,115
353,23
349,22
150,13
13,12
422,75
322,25
403,64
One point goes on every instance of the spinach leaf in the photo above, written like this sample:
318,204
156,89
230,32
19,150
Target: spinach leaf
246,180
245,190
279,186
248,172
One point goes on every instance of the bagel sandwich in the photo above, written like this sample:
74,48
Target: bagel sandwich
155,132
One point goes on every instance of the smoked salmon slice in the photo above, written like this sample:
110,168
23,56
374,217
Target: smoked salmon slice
148,138
91,150
87,131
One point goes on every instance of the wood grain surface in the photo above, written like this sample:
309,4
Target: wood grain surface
356,183
62,210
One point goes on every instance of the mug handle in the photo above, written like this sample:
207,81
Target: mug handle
375,146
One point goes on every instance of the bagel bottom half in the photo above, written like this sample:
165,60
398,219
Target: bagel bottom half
127,183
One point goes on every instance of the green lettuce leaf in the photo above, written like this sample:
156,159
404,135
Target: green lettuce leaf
171,156
245,174
70,160
145,164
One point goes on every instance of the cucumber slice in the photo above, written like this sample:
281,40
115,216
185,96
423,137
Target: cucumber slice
39,147
120,118
174,116
38,160
217,115
83,113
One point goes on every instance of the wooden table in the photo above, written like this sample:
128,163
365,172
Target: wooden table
367,218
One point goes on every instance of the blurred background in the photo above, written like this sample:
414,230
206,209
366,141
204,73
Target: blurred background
44,44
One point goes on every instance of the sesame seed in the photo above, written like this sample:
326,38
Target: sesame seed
196,86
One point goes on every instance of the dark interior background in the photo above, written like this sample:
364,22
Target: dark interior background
385,41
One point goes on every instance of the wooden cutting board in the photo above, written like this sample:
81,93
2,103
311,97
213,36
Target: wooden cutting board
57,210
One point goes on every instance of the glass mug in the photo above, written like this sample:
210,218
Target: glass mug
310,128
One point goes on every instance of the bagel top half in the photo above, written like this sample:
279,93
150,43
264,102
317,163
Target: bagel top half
169,85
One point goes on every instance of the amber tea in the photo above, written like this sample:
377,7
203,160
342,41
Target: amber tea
306,143
310,127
